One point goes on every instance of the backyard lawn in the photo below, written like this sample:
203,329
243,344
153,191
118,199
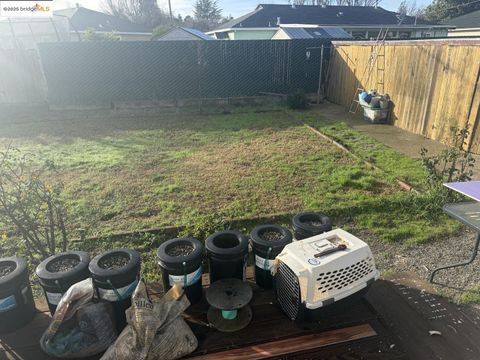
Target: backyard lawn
130,172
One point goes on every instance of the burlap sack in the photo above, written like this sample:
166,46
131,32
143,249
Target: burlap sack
155,330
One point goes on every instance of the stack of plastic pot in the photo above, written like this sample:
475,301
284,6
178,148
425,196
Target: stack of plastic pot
308,224
267,242
115,276
17,306
227,253
59,272
180,261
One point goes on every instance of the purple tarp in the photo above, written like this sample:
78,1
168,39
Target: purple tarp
468,188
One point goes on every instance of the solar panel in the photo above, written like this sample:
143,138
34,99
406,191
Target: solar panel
297,33
316,33
198,33
337,33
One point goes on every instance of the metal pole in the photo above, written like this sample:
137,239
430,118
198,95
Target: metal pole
472,257
170,10
320,76
55,28
33,34
15,41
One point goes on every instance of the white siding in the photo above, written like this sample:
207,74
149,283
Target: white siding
280,35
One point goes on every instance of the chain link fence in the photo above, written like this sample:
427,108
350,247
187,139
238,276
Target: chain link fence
107,72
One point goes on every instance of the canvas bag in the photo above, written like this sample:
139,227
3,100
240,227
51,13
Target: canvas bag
155,330
80,327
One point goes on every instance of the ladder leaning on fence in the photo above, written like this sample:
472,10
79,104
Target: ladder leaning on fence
378,52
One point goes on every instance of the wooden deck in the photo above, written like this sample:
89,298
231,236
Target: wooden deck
391,323
410,308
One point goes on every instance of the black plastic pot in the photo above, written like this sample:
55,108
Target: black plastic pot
227,253
56,280
180,261
267,242
115,275
17,306
309,224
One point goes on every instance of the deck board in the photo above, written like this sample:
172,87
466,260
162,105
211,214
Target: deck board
269,325
293,345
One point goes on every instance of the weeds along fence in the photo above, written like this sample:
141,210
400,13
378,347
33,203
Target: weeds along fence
105,72
434,84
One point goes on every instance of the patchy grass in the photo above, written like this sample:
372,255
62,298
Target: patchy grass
396,165
125,173
470,296
411,218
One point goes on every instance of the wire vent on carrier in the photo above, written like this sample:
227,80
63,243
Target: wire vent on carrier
288,291
340,278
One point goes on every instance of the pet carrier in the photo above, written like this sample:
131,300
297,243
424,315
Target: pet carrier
319,274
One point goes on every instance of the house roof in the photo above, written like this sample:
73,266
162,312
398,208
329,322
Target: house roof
173,34
470,20
197,33
266,15
316,33
82,18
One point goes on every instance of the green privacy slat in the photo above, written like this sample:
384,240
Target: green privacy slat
86,72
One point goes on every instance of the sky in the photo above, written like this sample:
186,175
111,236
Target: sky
230,7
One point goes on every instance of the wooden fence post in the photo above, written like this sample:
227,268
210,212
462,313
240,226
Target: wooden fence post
474,109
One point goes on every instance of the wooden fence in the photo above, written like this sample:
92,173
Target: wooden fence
434,84
21,77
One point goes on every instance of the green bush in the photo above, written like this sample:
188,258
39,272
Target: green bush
297,100
92,35
31,205
450,165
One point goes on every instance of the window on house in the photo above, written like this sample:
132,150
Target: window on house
359,34
221,35
404,34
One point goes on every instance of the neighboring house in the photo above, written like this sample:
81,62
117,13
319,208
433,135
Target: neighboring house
311,32
183,33
362,22
465,25
66,25
81,19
